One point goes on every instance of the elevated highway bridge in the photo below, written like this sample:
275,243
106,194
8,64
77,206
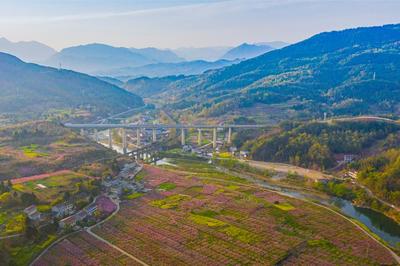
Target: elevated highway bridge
155,127
199,127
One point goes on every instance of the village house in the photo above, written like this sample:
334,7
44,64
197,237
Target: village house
244,154
32,213
348,158
62,210
91,209
128,171
73,219
67,222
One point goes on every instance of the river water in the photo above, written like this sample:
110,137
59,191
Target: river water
381,225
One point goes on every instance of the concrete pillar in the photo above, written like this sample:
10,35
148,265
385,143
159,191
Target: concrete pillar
96,135
138,137
183,137
110,138
229,135
82,132
214,137
154,135
124,144
199,137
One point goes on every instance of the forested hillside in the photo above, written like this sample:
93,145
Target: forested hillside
381,174
348,72
32,91
319,145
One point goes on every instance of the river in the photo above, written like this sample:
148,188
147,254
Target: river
378,223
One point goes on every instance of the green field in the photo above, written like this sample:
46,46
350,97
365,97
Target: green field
51,189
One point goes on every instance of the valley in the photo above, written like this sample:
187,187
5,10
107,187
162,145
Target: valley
204,206
217,149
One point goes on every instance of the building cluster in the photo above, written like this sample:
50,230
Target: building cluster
101,207
113,189
124,182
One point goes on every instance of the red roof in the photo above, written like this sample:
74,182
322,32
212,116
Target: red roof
105,205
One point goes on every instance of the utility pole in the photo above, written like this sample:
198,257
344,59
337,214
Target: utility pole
183,137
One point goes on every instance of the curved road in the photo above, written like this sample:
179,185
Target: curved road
288,168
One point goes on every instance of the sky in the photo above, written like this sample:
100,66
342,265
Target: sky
185,23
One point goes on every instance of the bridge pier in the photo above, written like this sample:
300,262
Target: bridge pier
183,137
138,137
199,137
229,135
124,143
110,138
96,135
154,135
214,138
82,132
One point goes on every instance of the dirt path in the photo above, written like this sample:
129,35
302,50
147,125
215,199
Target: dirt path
10,236
89,230
117,248
43,176
286,168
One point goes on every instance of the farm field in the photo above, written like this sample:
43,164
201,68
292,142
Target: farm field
53,186
45,191
37,148
83,249
197,216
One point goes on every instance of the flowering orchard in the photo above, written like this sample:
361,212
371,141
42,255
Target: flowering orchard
205,222
198,218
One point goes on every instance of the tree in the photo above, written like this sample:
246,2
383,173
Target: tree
27,198
66,196
31,231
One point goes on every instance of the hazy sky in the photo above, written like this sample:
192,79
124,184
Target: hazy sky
179,23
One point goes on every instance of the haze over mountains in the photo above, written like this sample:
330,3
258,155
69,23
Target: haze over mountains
28,51
166,69
121,62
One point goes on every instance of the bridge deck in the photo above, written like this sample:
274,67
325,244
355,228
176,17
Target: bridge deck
158,126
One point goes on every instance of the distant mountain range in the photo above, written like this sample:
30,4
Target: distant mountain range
247,51
220,52
106,60
202,53
355,71
92,58
148,87
30,91
166,69
158,55
28,51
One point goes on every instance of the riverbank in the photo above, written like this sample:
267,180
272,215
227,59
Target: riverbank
378,223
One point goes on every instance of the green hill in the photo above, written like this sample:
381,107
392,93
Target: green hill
354,71
39,147
320,145
31,91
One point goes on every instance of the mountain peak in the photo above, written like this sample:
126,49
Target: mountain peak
30,51
247,51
